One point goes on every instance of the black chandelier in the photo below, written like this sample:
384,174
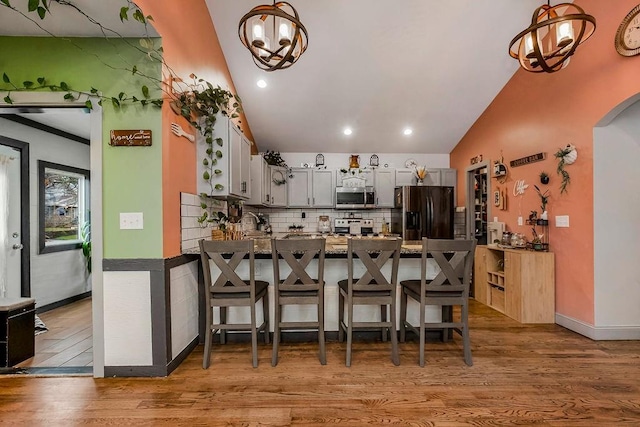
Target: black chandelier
274,35
553,36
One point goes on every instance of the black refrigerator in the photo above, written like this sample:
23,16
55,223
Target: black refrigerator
423,211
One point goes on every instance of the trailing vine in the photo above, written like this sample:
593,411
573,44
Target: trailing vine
199,103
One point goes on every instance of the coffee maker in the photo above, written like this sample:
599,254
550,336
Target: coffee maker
324,224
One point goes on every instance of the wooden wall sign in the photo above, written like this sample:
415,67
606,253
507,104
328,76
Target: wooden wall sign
529,159
130,138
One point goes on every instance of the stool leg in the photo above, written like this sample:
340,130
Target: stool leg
422,332
276,330
403,315
466,340
383,318
349,330
206,358
265,314
223,320
340,316
393,331
254,335
321,338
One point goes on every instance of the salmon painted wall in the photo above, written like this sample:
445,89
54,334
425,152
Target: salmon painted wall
190,45
542,113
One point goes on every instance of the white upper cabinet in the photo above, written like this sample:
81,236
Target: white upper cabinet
448,177
259,181
408,177
278,189
299,188
323,184
229,165
366,174
311,188
268,184
405,177
385,183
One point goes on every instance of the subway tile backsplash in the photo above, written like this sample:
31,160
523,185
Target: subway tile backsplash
190,211
281,218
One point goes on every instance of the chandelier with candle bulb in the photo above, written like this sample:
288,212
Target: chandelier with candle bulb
552,38
274,35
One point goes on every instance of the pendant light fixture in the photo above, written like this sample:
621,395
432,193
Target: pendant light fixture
553,36
274,35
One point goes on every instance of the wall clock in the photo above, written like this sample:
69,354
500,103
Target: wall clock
628,35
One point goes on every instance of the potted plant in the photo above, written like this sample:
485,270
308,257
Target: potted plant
544,199
544,178
566,156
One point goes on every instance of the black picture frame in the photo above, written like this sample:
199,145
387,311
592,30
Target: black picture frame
374,160
320,160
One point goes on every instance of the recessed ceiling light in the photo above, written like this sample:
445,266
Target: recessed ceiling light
348,131
261,84
407,131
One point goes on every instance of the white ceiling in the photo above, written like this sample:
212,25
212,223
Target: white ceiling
377,66
66,21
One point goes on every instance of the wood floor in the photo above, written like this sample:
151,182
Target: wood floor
522,375
69,339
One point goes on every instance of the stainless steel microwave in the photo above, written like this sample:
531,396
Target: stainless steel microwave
355,198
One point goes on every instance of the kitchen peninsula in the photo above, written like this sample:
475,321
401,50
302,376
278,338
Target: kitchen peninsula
335,270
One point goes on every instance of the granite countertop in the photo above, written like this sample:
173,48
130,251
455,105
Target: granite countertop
336,245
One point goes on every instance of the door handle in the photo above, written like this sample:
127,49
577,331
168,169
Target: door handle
18,246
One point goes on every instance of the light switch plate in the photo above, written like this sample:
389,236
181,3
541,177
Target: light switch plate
131,221
520,222
562,221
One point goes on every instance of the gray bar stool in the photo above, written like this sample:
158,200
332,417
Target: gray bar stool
299,287
373,288
449,288
229,290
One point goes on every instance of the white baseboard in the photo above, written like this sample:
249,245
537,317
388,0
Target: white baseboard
599,333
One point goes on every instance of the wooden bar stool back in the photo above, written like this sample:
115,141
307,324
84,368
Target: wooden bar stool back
372,288
299,287
449,288
229,290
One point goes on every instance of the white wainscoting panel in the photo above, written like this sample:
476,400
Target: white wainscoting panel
127,318
184,306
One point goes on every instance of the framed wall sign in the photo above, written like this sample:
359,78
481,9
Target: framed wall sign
319,160
130,138
374,160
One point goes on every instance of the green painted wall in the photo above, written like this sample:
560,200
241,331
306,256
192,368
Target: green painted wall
132,176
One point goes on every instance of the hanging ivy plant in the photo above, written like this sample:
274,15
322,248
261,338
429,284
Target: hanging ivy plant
199,103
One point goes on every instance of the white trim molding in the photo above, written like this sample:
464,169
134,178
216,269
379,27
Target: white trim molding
599,333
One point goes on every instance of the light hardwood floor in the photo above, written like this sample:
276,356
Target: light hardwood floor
69,340
541,375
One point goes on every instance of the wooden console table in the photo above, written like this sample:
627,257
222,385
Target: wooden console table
516,282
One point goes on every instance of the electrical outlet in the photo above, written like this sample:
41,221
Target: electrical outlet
131,221
520,222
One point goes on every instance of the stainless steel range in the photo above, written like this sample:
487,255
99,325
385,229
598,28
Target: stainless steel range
354,226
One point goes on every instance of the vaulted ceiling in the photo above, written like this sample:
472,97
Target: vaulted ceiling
375,66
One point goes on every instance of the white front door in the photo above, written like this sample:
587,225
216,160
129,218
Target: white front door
14,250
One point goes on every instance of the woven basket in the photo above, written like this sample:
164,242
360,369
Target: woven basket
217,234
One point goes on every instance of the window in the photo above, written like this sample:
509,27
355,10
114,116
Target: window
63,206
